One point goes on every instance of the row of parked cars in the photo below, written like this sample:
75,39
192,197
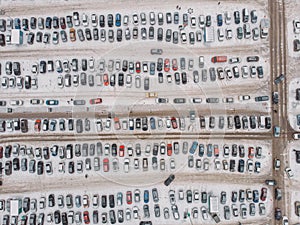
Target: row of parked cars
129,66
110,20
86,207
163,148
61,23
20,82
126,165
137,81
140,124
127,34
145,124
296,28
31,208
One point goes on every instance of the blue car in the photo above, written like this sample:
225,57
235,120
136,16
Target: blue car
17,23
52,102
220,20
209,150
146,196
118,20
193,147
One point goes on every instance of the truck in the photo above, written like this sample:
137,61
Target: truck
213,204
219,59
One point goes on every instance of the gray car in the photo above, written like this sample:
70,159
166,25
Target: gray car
79,126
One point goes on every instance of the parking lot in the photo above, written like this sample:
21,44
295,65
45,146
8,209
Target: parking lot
101,103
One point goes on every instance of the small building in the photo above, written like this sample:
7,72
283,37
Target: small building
16,37
209,34
213,204
15,207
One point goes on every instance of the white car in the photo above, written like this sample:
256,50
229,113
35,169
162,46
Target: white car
201,21
289,172
183,36
285,220
126,165
296,24
193,22
244,97
296,136
16,102
135,19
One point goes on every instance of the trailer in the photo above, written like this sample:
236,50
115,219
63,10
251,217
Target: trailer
213,204
209,34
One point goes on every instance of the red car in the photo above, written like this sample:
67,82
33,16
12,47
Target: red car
263,195
62,22
105,165
129,197
37,125
167,65
174,123
169,149
250,152
174,64
1,152
105,79
138,67
121,151
86,217
95,101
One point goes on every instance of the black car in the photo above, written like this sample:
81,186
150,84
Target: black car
237,122
169,180
24,125
204,197
51,200
57,217
278,214
268,122
237,17
110,20
252,122
8,168
96,34
102,21
26,204
241,167
88,34
104,201
64,218
234,196
234,150
71,167
16,164
232,165
121,79
40,168
275,98
33,21
30,38
111,201
95,217
7,151
112,216
297,152
48,22
252,58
